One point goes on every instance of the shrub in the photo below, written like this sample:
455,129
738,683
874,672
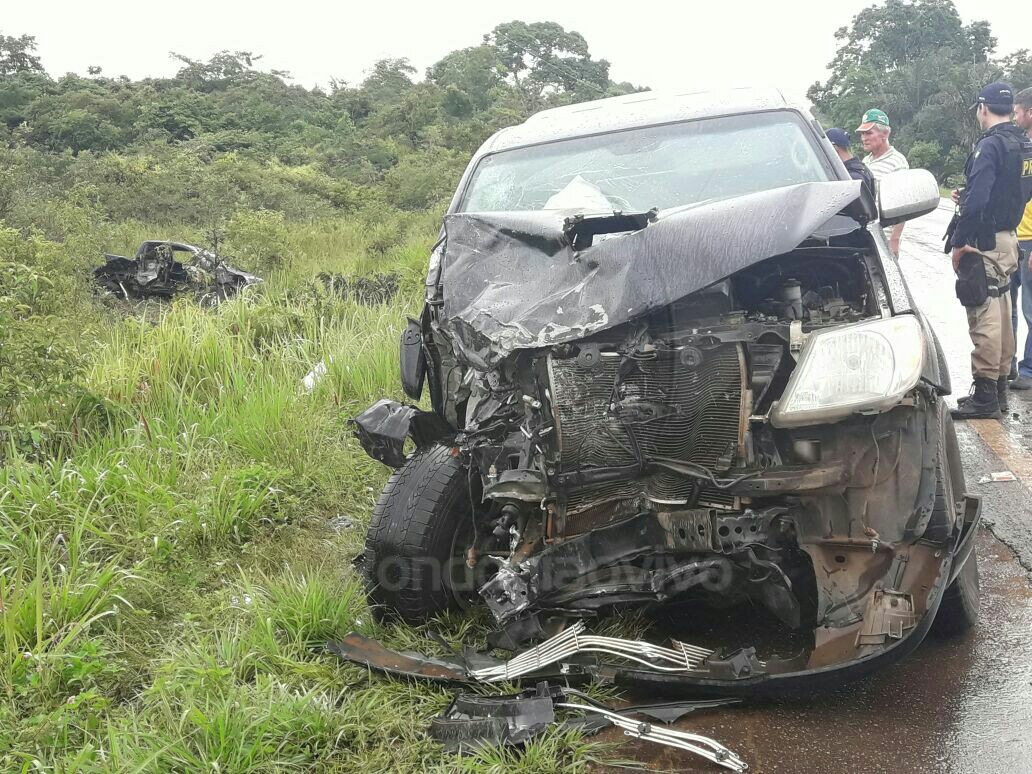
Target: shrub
260,239
38,369
927,155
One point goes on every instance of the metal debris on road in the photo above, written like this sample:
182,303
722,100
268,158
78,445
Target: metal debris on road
680,658
340,523
364,651
474,720
560,656
998,477
694,743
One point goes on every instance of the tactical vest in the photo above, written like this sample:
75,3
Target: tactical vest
1013,186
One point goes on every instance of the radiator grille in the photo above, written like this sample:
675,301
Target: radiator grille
685,413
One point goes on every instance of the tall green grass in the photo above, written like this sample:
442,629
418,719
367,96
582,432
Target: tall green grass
167,579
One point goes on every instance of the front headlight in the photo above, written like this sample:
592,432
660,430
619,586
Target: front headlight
864,367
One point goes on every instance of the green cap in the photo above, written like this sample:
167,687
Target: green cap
872,118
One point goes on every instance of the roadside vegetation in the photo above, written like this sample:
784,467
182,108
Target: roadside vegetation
178,515
176,535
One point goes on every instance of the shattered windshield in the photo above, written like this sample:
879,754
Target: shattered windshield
657,166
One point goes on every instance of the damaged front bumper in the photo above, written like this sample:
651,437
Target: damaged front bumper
881,637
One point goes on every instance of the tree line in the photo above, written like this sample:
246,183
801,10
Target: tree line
224,135
923,66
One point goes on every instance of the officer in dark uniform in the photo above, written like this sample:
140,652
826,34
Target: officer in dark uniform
984,246
857,169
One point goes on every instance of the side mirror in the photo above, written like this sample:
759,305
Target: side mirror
907,194
413,359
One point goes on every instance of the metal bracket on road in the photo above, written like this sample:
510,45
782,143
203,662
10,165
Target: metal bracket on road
700,745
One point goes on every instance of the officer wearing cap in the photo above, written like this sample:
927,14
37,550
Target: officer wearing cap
857,170
882,159
984,246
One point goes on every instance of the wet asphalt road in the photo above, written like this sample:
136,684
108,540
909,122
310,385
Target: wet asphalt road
959,705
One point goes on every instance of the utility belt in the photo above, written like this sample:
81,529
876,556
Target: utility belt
974,287
984,240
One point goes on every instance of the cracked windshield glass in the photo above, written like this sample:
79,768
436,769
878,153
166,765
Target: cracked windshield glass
660,166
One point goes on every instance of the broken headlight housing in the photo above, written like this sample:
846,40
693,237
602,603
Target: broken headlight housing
869,366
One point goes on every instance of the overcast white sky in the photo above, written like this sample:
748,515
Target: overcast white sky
664,44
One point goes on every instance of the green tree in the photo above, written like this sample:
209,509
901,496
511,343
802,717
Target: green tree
927,155
16,55
1017,68
221,69
470,78
388,81
546,63
17,93
919,62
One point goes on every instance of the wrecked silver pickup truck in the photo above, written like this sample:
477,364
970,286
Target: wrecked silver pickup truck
155,273
670,357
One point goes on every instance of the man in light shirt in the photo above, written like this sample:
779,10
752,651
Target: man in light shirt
882,159
1022,278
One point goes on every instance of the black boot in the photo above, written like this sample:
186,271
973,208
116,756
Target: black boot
1002,386
983,403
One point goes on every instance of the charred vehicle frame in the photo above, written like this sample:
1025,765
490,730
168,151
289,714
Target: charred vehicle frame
155,272
717,391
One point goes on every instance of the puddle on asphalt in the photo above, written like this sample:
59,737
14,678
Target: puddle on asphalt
958,705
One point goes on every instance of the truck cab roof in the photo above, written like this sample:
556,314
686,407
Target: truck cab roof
629,111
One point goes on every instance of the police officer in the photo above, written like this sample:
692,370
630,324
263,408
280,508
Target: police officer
984,245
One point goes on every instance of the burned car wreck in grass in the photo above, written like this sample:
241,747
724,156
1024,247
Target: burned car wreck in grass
155,273
670,357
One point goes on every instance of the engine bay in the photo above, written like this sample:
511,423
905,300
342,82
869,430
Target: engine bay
629,460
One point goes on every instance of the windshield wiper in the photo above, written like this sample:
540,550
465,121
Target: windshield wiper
580,230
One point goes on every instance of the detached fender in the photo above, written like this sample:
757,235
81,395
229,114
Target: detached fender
383,427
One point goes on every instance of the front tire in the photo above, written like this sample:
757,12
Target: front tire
958,610
420,529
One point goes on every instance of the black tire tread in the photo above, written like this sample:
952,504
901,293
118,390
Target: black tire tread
958,610
414,518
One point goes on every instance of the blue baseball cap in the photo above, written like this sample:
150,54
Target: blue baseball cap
838,137
997,94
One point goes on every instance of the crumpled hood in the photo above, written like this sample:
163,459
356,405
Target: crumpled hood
512,282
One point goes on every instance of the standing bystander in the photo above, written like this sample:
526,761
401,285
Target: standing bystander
1022,278
882,159
984,246
857,170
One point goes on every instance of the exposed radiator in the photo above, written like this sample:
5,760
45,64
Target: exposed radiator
688,413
